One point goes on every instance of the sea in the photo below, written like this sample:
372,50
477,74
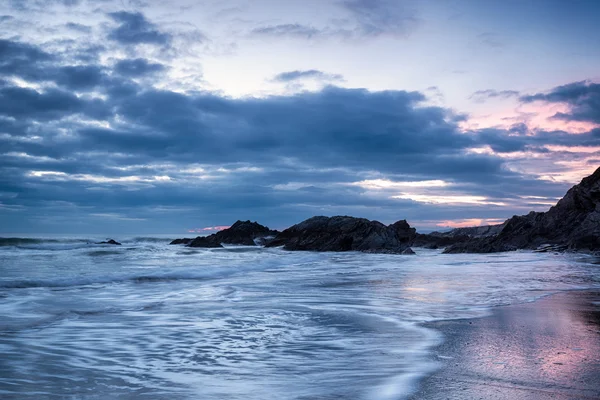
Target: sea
149,320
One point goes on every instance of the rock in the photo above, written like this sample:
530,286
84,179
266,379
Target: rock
110,241
343,233
241,232
244,233
182,241
408,251
573,224
264,241
205,241
435,240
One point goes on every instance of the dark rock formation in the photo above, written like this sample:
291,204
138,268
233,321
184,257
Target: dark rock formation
205,241
241,232
343,233
436,240
244,233
573,223
110,241
182,241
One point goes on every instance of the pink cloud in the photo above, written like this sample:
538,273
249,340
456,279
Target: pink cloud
537,116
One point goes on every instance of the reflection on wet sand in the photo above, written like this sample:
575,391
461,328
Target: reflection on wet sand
548,349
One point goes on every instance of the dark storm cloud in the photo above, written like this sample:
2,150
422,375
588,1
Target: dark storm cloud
4,18
290,76
16,54
79,76
16,102
582,97
137,67
134,28
291,30
123,147
34,65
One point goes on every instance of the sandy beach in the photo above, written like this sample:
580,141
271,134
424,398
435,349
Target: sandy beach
549,349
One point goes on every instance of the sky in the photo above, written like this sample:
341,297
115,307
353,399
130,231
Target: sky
181,116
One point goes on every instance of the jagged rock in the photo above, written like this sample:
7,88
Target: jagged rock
241,232
244,233
436,240
408,251
573,223
110,241
343,233
205,241
182,241
545,248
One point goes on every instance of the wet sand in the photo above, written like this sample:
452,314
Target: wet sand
549,349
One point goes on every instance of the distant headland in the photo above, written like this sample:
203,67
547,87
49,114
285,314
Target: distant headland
573,224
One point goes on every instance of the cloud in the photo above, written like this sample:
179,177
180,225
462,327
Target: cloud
108,143
134,29
34,65
380,17
78,27
583,98
137,67
291,76
16,102
40,5
481,96
490,39
290,30
366,19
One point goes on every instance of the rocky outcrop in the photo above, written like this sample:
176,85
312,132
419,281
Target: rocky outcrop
110,241
205,241
182,241
573,223
244,233
436,240
343,233
241,233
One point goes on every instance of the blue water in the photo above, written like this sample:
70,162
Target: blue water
152,321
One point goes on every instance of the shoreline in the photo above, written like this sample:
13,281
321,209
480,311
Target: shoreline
545,349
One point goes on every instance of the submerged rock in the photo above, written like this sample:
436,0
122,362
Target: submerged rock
343,233
110,241
573,223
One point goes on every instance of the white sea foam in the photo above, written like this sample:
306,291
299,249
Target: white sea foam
150,320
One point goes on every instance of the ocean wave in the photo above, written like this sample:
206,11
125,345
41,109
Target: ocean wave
17,241
149,239
109,279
